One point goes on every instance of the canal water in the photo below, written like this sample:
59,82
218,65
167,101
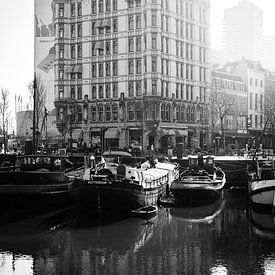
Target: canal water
221,237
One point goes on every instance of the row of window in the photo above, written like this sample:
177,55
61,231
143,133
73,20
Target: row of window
134,112
75,51
99,7
256,82
258,122
111,69
227,84
75,9
106,47
233,122
74,73
183,113
109,24
185,92
259,102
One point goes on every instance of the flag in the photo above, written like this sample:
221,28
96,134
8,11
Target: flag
47,63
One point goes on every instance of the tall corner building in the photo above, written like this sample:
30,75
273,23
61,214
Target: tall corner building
243,31
132,72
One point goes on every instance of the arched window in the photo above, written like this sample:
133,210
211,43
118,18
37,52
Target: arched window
79,113
131,112
178,113
162,111
138,112
192,114
154,111
100,113
167,112
115,112
108,112
93,113
188,113
182,113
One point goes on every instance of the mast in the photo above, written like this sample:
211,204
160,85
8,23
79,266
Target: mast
34,116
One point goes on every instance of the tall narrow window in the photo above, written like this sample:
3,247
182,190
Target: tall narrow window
79,92
114,68
72,9
131,22
114,5
154,87
61,10
79,29
79,50
154,64
100,6
61,30
115,90
61,51
79,9
154,40
115,26
131,89
154,18
115,46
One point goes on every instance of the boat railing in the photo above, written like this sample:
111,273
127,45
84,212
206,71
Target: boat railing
155,182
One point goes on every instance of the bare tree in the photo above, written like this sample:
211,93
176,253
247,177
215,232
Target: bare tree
4,113
269,112
220,105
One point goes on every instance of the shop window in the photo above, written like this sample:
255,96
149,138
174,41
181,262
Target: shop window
131,113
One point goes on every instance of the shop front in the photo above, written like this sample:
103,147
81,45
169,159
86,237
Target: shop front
167,140
136,141
96,139
236,140
111,138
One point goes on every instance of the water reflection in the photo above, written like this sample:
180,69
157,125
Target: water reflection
210,239
262,224
200,212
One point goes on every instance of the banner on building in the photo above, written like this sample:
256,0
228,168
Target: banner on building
44,45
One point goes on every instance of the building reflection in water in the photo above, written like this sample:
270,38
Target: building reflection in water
167,244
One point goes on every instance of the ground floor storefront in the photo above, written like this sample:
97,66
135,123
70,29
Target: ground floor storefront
165,139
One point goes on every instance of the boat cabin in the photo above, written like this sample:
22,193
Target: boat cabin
115,156
153,176
35,162
202,163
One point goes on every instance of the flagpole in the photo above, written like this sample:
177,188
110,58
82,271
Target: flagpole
34,110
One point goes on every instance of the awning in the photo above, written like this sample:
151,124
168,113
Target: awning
99,45
168,132
98,23
77,134
78,69
111,133
106,23
69,69
95,130
183,133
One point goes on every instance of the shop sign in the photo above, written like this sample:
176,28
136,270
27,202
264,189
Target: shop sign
95,139
242,131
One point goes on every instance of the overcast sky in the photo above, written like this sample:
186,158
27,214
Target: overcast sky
16,32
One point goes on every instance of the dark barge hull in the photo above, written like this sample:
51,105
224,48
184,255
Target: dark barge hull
117,195
189,196
34,190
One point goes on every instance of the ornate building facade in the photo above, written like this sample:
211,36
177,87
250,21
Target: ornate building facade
132,72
